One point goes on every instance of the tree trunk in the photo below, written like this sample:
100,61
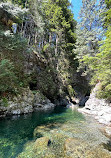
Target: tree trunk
57,39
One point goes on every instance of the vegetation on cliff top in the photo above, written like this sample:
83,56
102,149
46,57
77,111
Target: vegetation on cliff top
49,53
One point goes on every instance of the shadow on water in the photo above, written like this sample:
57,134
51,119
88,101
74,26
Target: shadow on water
16,131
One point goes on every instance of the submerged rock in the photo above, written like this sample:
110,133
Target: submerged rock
62,147
77,148
73,138
42,142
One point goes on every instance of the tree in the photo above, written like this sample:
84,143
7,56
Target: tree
101,62
107,14
8,79
49,28
61,38
89,29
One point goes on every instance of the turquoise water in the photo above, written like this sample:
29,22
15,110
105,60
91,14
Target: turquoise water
15,131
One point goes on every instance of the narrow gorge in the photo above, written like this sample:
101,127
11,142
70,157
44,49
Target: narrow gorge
55,79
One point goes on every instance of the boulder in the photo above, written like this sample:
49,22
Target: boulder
49,106
41,102
42,142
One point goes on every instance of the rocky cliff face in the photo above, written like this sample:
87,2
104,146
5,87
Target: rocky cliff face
24,103
100,108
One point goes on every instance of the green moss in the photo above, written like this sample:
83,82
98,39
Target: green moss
4,102
71,91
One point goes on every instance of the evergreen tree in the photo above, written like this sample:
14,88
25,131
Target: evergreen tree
101,63
108,13
61,38
8,78
89,29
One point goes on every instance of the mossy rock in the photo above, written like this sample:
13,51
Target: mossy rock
44,130
77,148
39,149
42,142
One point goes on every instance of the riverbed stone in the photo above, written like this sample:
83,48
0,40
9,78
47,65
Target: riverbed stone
107,131
68,140
77,148
42,142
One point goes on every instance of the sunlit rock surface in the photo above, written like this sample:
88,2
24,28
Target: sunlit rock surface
24,103
100,108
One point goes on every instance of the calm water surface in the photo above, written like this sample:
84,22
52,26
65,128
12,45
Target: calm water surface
16,131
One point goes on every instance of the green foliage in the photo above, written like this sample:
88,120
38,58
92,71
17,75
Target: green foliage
12,61
8,79
95,57
49,29
107,14
101,67
60,25
23,3
61,19
89,30
71,91
108,3
4,102
46,84
46,47
11,42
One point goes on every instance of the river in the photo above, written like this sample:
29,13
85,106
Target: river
17,131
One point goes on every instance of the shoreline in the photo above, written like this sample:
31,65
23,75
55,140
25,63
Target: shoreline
106,130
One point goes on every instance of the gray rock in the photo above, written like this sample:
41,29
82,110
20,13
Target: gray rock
45,106
28,109
16,112
3,111
49,106
108,131
61,102
100,108
72,106
93,102
25,103
83,100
